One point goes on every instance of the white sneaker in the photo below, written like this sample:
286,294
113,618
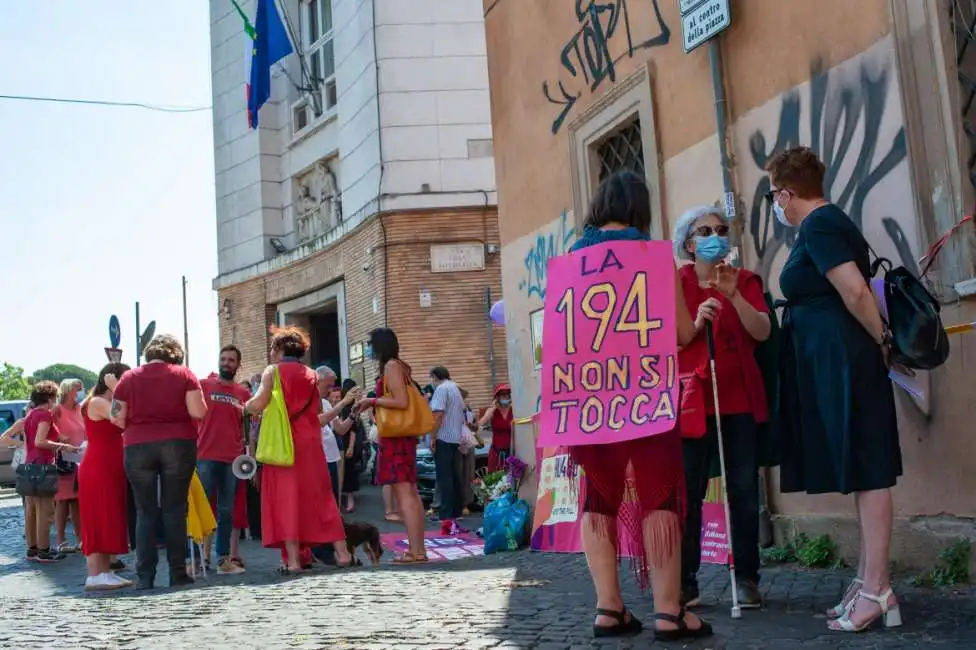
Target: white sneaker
105,582
119,580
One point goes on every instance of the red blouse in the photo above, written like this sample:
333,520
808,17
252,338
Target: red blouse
740,382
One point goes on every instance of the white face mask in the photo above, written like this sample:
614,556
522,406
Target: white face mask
781,215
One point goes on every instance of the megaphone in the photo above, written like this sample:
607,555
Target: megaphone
244,467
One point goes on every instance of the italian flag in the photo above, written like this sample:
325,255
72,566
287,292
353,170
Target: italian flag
250,35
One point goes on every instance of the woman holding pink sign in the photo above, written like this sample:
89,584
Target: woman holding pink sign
732,301
648,469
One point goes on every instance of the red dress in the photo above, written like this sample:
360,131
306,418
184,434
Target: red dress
297,503
501,439
102,493
396,461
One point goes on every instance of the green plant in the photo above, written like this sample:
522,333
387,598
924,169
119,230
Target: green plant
817,553
952,567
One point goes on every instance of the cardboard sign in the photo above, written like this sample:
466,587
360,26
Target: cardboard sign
609,345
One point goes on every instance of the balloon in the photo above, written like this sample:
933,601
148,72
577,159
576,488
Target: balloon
497,313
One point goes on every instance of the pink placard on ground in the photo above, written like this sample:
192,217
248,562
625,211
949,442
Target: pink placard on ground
558,513
609,345
557,518
440,548
714,536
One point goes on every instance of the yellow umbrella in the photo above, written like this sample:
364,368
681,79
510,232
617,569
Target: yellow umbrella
200,522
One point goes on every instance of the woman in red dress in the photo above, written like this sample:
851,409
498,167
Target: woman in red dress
499,416
102,494
298,509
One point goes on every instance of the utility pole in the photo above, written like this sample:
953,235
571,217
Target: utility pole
138,338
186,329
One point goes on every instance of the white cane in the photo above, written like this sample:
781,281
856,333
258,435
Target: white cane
736,610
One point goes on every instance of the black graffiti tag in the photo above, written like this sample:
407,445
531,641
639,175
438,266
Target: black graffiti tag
838,106
589,52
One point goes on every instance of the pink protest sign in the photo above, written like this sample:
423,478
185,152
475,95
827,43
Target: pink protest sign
609,345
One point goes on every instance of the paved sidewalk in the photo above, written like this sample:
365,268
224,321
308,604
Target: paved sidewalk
515,600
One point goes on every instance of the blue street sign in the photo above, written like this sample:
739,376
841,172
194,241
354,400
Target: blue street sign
114,331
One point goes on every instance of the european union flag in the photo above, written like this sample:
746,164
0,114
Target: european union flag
271,44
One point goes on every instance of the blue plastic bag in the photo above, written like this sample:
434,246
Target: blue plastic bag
506,524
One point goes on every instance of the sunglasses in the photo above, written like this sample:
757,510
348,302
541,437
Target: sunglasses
771,194
705,231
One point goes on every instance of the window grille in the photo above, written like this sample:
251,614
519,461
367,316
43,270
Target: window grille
623,150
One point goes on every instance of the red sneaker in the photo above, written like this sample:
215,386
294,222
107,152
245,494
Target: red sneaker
446,526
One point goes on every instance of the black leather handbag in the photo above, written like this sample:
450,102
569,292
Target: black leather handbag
36,480
918,336
65,467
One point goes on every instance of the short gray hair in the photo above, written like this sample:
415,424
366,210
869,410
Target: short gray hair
682,227
324,372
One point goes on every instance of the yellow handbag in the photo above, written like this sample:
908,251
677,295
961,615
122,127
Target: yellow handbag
275,443
412,422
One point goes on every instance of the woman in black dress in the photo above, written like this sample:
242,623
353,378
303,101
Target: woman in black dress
836,400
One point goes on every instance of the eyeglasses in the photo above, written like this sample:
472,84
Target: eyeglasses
704,231
773,191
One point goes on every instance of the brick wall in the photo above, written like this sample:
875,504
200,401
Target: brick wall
452,332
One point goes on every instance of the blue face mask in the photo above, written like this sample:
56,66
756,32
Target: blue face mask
711,249
369,352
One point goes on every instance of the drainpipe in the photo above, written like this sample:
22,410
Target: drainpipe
722,129
735,232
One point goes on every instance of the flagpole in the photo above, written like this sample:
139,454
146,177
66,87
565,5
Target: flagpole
297,45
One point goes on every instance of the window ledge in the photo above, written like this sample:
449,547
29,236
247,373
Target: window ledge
317,125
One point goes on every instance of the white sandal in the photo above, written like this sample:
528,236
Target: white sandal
838,610
890,615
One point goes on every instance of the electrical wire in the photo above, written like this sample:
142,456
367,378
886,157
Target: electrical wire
94,102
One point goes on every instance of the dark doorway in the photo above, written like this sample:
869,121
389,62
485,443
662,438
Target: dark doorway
324,331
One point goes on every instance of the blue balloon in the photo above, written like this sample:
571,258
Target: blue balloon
497,313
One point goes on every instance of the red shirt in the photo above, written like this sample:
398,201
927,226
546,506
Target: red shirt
155,398
33,421
221,432
740,387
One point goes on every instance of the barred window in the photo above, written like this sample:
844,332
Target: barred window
622,150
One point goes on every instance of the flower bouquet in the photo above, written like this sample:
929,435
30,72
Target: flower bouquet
491,486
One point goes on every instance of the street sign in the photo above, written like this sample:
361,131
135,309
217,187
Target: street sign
114,355
147,336
114,331
702,21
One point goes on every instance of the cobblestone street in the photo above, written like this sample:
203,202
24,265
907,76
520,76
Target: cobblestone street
518,600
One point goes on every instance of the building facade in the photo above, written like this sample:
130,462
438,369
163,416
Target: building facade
366,196
582,89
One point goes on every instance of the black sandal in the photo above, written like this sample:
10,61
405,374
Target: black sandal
285,571
683,631
624,627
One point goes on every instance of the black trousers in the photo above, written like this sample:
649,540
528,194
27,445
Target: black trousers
742,475
448,470
170,465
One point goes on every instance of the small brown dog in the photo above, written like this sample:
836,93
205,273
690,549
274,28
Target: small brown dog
367,536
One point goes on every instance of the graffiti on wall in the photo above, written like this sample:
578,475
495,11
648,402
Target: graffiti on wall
547,245
606,35
845,116
851,117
